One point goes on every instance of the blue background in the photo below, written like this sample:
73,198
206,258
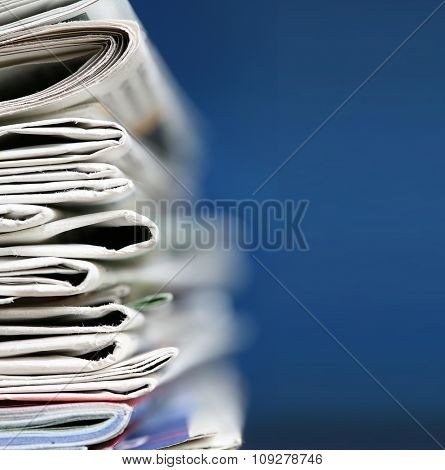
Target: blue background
265,74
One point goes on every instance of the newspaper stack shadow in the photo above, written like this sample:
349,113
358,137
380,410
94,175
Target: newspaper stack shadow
95,351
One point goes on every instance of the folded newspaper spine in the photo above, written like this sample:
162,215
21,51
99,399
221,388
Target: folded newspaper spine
90,125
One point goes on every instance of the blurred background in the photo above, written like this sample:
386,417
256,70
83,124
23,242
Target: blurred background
265,74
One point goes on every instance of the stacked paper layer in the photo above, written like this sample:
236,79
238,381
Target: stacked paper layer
90,126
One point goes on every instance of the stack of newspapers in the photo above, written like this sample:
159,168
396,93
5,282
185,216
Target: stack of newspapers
106,340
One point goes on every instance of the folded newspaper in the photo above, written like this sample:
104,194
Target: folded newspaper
82,63
200,411
65,149
96,365
94,354
101,235
59,426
